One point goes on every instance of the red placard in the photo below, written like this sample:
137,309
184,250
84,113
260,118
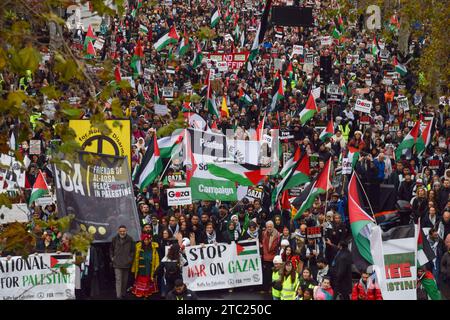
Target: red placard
234,60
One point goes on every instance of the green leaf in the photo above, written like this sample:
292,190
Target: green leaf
30,58
116,108
72,112
51,92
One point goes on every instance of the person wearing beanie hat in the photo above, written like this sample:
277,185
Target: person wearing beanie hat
276,276
145,263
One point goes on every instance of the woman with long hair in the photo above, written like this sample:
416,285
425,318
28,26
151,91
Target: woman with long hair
146,260
324,291
289,282
289,255
170,269
306,280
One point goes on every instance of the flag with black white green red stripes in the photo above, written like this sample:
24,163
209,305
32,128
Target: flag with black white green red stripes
246,247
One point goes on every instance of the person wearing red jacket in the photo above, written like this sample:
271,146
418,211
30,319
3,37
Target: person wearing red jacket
366,289
269,244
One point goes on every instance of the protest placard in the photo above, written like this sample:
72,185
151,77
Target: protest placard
363,105
179,196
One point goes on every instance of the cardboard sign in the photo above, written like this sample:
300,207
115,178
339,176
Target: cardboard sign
434,164
278,64
326,41
346,166
363,105
313,232
352,59
161,109
35,147
235,61
309,58
167,92
222,66
99,43
297,49
147,73
255,193
403,103
179,196
286,136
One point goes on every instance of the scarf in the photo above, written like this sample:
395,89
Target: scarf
211,237
253,235
177,229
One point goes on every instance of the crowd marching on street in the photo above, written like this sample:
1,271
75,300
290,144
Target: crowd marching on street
350,144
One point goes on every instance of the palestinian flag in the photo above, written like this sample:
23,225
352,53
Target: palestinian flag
424,139
285,203
259,35
290,163
136,59
224,112
143,28
309,110
198,57
259,130
320,186
429,284
90,52
40,189
327,132
336,34
375,49
361,222
170,145
425,253
184,45
244,98
156,93
299,174
215,18
343,86
214,126
244,248
409,141
170,37
90,37
353,155
186,108
278,95
289,72
211,101
117,74
151,166
399,68
242,174
61,260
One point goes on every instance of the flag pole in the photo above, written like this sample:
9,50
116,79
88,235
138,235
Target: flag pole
169,162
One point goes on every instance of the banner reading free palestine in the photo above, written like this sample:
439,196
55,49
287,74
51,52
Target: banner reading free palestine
221,266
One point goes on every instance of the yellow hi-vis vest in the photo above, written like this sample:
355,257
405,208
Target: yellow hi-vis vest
289,289
276,277
345,131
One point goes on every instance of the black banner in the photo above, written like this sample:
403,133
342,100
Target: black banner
99,193
287,136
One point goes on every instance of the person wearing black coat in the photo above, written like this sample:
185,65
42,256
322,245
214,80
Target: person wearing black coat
342,272
406,189
419,206
181,292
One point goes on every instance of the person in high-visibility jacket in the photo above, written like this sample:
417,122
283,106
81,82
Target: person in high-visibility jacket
276,275
289,282
345,129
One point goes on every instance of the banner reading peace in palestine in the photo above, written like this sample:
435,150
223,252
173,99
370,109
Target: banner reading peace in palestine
117,143
221,266
99,193
39,277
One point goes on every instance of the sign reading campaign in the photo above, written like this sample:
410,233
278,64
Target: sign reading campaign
179,196
91,139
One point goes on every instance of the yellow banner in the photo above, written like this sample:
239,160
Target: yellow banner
117,143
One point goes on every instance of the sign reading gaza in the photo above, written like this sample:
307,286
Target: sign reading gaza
37,277
179,196
99,194
221,266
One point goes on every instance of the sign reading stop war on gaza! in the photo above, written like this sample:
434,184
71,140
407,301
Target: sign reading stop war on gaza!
222,266
38,277
98,190
179,196
117,143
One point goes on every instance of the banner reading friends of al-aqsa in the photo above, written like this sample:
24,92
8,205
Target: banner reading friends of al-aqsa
222,266
99,193
38,277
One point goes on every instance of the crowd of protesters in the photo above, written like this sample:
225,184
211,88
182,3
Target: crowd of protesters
295,267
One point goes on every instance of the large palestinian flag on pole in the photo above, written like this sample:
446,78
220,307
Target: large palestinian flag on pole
151,166
40,188
170,145
409,141
309,110
170,37
320,186
259,35
278,94
299,174
424,139
361,222
290,163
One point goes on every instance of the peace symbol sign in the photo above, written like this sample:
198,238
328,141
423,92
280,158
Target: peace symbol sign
100,143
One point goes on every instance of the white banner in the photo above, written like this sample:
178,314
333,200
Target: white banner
179,196
222,266
19,212
363,105
161,109
39,277
394,261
